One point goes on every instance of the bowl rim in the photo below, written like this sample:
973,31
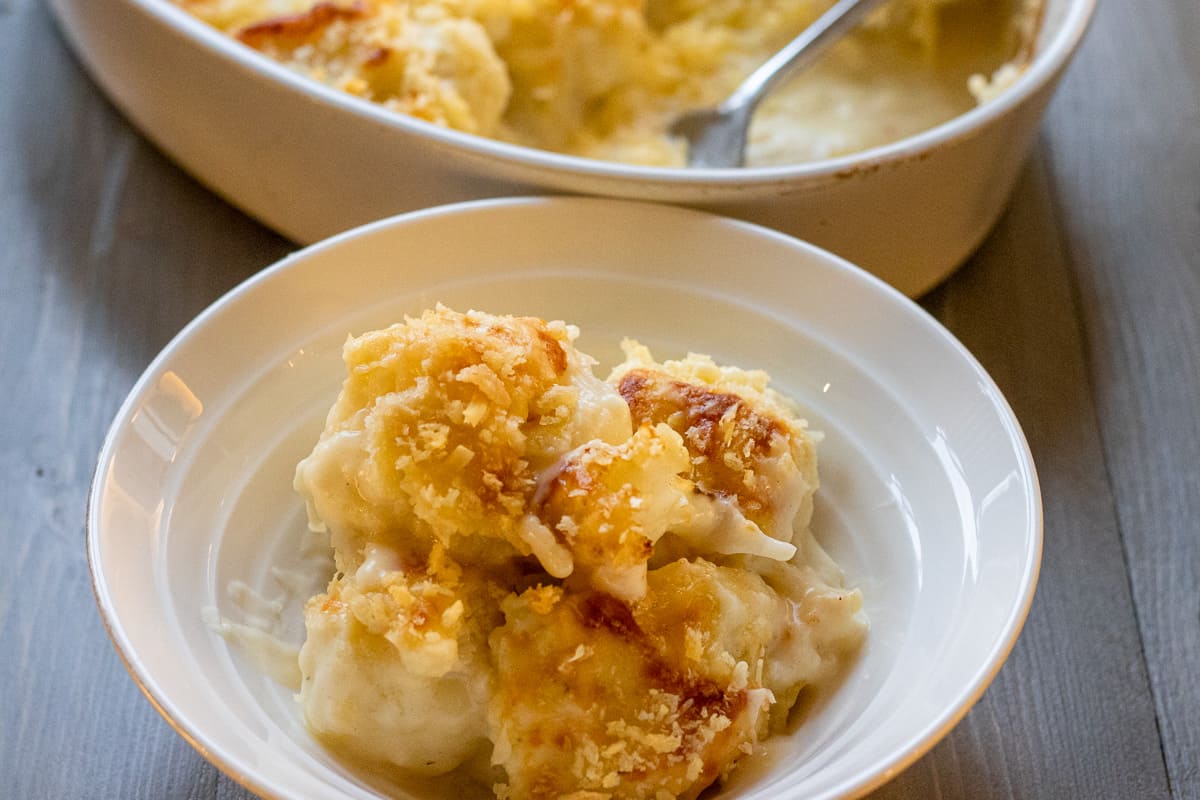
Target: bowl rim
918,743
1045,64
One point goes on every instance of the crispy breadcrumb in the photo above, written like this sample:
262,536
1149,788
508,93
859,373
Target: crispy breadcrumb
588,703
746,444
441,432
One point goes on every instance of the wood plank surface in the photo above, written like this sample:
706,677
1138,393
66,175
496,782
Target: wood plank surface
106,251
1084,304
1070,713
1127,192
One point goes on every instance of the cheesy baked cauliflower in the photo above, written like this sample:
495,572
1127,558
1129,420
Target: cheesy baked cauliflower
604,78
607,586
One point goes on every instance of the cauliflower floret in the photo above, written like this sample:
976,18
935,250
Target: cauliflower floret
608,504
442,429
425,60
558,92
395,664
589,704
747,446
662,694
771,625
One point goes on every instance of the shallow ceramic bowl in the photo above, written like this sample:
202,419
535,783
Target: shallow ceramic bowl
928,497
310,161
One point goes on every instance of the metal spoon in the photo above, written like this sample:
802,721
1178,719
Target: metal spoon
716,137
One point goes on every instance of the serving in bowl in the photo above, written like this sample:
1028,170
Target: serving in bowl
311,161
928,498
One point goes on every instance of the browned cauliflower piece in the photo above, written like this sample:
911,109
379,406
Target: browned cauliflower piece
783,630
747,446
443,426
587,703
660,697
608,504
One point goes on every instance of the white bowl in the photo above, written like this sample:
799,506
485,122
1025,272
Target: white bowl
929,497
310,161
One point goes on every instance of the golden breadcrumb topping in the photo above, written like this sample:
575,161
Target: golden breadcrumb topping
443,427
611,585
588,703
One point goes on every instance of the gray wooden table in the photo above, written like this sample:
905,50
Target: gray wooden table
1084,304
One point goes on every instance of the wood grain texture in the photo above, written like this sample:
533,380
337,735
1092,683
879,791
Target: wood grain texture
1124,145
1084,305
106,250
1070,714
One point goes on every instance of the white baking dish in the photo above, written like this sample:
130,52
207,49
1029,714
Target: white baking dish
310,161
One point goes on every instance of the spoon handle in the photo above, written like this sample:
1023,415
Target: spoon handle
801,51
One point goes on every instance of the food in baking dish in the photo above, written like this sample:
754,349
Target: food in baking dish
603,78
595,588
